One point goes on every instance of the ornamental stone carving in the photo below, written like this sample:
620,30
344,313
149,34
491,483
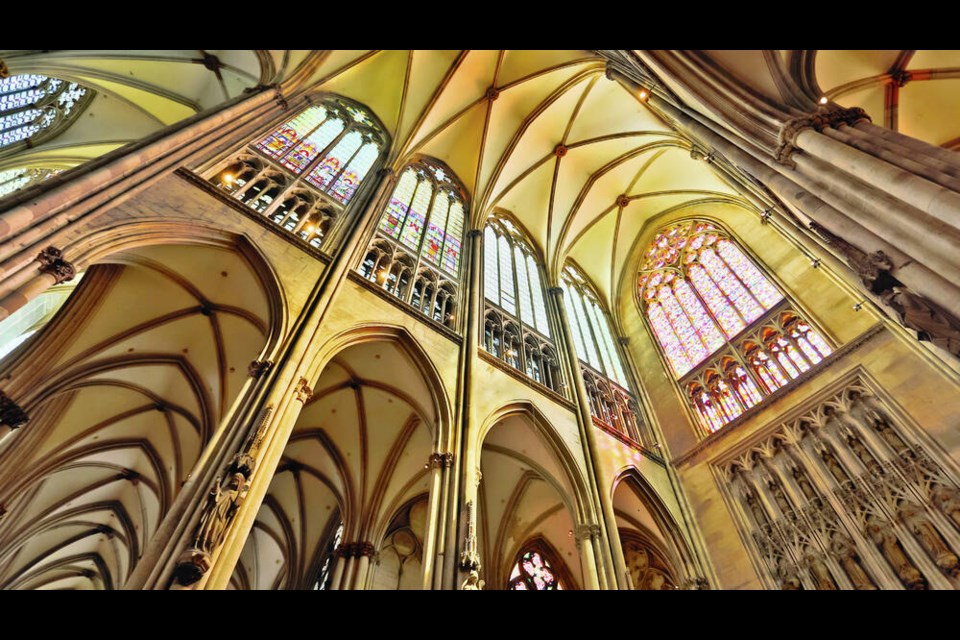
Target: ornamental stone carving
11,414
819,121
258,367
52,262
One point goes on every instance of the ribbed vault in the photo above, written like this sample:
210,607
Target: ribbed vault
124,387
359,453
524,495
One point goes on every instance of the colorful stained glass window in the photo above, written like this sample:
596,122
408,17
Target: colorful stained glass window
32,104
699,292
491,266
291,133
397,207
452,236
308,150
533,573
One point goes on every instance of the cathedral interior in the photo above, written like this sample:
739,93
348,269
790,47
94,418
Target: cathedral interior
479,319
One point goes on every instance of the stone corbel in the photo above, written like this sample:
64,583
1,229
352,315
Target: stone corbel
11,414
52,262
258,367
303,391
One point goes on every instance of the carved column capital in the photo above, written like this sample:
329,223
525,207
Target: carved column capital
436,460
623,340
355,549
303,391
557,291
52,262
385,173
11,414
818,121
586,531
475,233
258,367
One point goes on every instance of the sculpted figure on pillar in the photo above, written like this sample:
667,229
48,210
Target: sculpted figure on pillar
932,322
929,538
947,500
820,573
845,553
888,544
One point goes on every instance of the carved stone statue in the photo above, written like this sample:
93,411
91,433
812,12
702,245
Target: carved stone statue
779,497
929,538
821,574
758,513
890,547
222,503
788,578
883,428
865,456
804,483
932,322
473,582
835,469
845,553
947,500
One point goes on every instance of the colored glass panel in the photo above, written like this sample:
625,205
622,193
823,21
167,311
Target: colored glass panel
808,350
730,322
698,315
397,207
588,334
818,342
452,243
346,185
30,103
491,272
762,289
293,132
306,152
730,286
574,323
694,348
416,218
329,168
507,296
672,347
433,243
539,307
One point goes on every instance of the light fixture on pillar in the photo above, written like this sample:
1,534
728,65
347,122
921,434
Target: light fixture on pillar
765,216
857,306
823,100
643,95
228,178
815,263
382,275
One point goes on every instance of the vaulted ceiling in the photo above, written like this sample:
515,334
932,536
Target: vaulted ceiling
541,134
139,92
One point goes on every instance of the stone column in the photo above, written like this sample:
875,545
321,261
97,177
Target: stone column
52,269
463,490
433,510
614,573
283,390
586,535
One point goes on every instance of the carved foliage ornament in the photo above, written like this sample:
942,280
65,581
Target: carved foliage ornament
52,262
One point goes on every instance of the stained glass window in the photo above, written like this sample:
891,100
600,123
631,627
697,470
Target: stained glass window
533,573
334,144
423,221
33,107
701,293
16,179
516,310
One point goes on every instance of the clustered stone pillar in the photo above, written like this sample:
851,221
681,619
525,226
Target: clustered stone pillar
612,570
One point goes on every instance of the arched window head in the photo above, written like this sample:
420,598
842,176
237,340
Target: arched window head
34,108
416,252
16,179
305,172
532,572
325,574
516,328
611,401
727,332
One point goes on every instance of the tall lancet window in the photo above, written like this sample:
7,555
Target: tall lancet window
304,173
533,572
516,328
416,252
612,404
727,332
34,108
